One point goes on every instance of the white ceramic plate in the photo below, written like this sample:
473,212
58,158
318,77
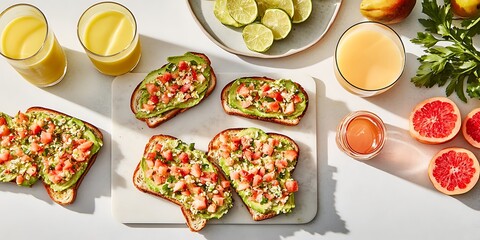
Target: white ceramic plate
303,35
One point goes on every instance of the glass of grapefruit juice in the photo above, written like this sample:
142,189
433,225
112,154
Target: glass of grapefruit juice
108,33
361,135
30,46
369,59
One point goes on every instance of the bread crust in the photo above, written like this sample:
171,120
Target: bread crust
195,224
233,111
68,196
155,121
256,216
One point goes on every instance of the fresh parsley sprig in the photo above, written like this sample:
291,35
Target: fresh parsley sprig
450,55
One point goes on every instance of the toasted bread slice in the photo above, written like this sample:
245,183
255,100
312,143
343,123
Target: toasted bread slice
153,119
289,100
67,196
259,166
163,171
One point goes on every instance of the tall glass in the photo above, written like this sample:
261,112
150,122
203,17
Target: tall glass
30,46
108,33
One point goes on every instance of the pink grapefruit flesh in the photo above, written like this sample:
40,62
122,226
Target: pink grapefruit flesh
471,128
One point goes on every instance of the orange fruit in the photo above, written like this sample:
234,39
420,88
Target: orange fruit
435,120
454,171
471,128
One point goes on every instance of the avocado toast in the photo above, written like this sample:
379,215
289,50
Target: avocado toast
177,172
259,166
43,143
177,86
281,101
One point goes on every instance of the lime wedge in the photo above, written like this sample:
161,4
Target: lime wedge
278,21
303,9
221,13
242,11
257,37
285,5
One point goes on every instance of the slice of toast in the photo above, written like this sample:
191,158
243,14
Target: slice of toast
154,121
163,168
259,166
256,105
68,196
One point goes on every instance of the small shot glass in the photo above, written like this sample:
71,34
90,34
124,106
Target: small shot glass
108,33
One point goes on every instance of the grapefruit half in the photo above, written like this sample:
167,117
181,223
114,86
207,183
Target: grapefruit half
471,128
435,120
454,171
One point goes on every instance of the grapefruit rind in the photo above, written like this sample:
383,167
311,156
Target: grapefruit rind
471,128
444,166
451,131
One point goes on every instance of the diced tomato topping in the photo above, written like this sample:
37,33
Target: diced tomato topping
242,90
270,166
19,179
290,108
196,190
273,106
4,131
22,117
247,154
212,208
246,175
148,107
257,179
34,147
246,104
3,121
276,95
235,175
265,87
196,171
150,163
243,186
274,182
182,66
180,185
185,88
35,128
154,99
184,157
151,156
46,137
151,88
167,155
267,149
225,184
67,165
85,146
159,179
269,177
165,98
165,77
291,185
194,75
261,171
149,173
296,99
217,199
200,203
162,170
281,164
32,171
4,156
290,155
22,133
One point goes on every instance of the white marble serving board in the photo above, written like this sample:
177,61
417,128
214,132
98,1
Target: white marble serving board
199,125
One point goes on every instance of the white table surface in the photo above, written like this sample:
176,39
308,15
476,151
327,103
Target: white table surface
389,197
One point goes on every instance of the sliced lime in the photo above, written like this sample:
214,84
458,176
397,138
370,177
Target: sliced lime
262,6
257,37
285,5
221,13
242,11
278,21
303,9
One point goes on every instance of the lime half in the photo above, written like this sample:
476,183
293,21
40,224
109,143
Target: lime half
221,13
278,21
242,11
285,5
303,9
257,37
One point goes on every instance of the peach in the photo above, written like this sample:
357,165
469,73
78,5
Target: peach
387,11
466,8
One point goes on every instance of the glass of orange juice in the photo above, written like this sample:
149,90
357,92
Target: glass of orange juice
369,59
108,33
30,46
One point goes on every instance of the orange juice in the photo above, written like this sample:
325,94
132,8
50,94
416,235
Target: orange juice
369,58
110,37
31,48
361,135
